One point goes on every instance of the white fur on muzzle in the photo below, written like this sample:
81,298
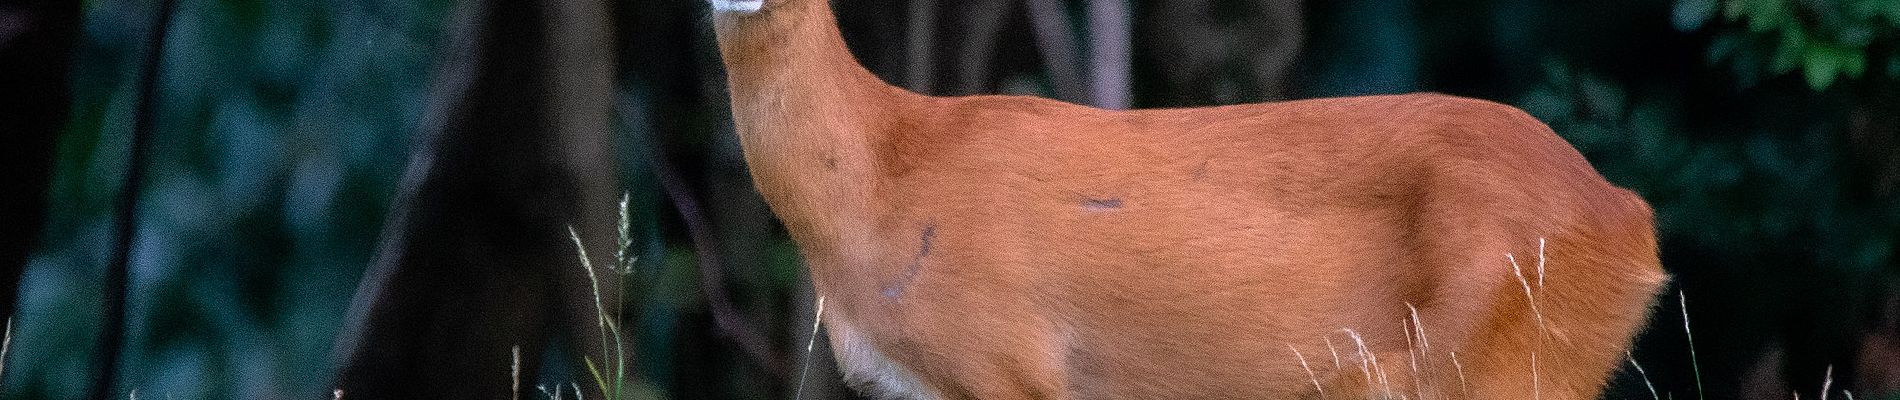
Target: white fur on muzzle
743,6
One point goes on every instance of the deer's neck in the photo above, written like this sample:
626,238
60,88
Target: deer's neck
810,120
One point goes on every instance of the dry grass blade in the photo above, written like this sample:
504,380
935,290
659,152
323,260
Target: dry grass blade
1694,364
1827,384
1462,388
1540,263
1331,349
1418,386
1309,371
1644,374
514,373
1528,297
5,345
1537,392
810,344
1364,359
1418,325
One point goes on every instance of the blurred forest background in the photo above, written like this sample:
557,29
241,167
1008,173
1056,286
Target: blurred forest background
300,146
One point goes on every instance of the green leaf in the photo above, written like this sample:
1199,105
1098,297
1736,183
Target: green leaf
1820,76
1690,15
1768,15
620,361
596,372
1823,65
1788,54
1733,11
1855,64
1601,95
1724,47
1856,35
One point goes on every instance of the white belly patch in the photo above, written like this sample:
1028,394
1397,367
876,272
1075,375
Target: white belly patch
868,370
742,6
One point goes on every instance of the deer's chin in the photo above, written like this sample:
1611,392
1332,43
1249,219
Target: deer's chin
738,6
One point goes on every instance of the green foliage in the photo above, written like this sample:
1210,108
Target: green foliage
282,127
1824,40
1784,179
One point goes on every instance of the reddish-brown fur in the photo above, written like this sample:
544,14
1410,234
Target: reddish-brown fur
1011,247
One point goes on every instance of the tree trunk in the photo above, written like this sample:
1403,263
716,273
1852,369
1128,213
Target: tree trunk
37,38
475,258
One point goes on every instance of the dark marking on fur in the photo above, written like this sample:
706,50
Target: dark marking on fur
896,289
831,163
1109,204
1201,171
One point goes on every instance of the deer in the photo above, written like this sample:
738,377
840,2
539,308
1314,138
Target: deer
1418,246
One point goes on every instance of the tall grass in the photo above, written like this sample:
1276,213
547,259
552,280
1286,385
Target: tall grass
817,319
612,382
1694,363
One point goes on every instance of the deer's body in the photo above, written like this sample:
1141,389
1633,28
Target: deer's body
1007,247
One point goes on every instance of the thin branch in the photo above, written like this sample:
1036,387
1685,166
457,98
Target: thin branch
751,340
126,206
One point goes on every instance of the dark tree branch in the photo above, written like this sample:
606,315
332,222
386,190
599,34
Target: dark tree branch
125,220
712,282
